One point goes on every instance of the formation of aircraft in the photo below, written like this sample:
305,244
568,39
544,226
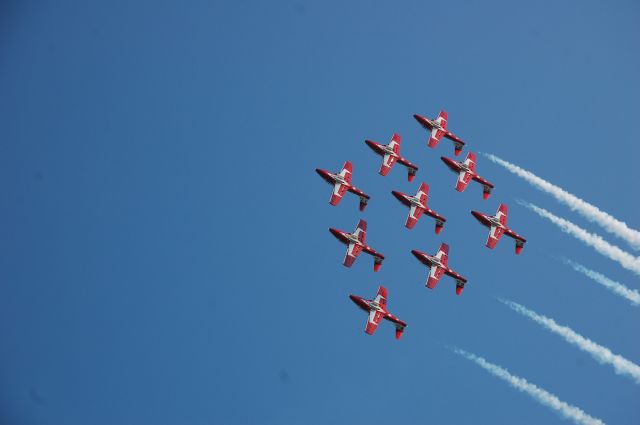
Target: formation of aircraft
438,129
417,206
390,155
497,225
466,171
438,264
356,243
377,310
341,183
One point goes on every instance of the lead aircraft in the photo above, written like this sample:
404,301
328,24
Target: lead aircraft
417,206
390,154
466,171
497,225
341,183
439,266
356,243
438,129
377,310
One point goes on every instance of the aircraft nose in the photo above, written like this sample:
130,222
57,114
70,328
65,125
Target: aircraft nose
335,232
477,215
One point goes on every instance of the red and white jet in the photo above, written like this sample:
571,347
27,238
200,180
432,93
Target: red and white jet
438,129
466,171
439,265
390,154
498,227
341,183
356,242
377,309
418,206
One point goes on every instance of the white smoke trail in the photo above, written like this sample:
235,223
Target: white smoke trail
625,259
590,212
602,354
540,395
615,287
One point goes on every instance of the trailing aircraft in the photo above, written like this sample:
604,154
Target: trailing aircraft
418,205
377,310
438,266
390,155
356,243
497,225
341,183
438,130
466,172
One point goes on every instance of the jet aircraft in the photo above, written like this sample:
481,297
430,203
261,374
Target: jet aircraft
438,266
377,310
497,227
390,154
466,171
341,183
356,243
438,129
418,206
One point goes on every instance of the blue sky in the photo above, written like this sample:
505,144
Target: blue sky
165,257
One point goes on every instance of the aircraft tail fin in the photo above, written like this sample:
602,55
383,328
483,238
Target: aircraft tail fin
399,331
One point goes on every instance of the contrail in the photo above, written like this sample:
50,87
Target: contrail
615,287
625,259
590,212
542,396
602,354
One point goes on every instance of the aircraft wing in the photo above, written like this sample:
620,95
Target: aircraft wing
463,180
387,164
361,231
347,171
443,254
353,250
395,143
435,273
435,137
375,317
338,192
502,214
414,215
381,296
495,233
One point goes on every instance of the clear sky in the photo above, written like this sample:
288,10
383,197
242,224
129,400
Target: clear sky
164,253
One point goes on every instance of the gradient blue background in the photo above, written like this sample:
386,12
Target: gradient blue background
164,253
